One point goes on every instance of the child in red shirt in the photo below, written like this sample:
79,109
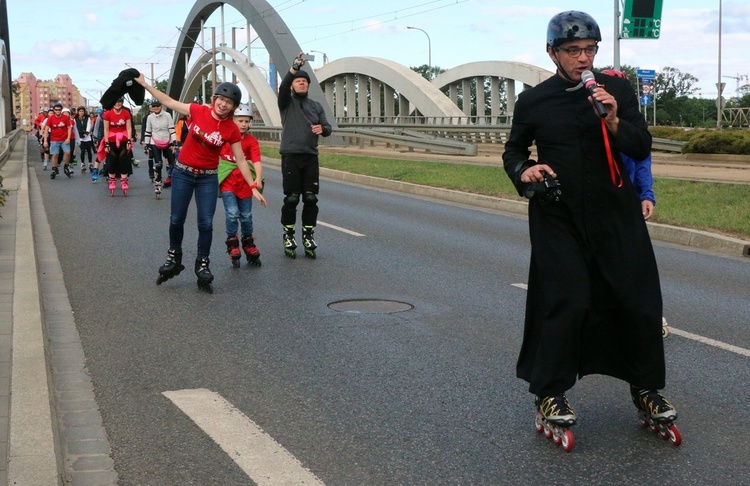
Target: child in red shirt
237,195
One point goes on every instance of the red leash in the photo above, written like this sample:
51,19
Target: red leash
614,170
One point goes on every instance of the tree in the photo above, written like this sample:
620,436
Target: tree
428,72
671,83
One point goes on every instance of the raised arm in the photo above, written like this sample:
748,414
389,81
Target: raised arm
164,98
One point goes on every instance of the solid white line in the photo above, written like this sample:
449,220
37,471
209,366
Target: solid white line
710,342
688,335
339,228
257,453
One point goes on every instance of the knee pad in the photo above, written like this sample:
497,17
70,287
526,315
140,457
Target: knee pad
309,199
291,200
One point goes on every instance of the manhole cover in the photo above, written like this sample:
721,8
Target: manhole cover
370,306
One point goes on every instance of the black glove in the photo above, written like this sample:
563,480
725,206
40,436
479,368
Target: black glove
298,63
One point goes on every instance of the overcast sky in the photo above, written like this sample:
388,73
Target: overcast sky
93,40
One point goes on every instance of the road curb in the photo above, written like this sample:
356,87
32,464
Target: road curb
702,240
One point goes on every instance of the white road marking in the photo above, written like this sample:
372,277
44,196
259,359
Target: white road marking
257,453
688,335
710,342
339,228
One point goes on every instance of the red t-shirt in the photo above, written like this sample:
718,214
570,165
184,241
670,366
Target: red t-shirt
38,121
206,137
59,127
235,182
117,122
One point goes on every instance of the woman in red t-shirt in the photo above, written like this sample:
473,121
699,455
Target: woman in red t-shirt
196,170
117,127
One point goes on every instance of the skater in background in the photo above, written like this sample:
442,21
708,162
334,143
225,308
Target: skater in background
58,135
639,170
303,122
148,153
159,137
85,142
594,301
117,124
237,195
196,172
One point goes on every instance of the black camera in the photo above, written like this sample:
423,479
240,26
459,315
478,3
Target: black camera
546,191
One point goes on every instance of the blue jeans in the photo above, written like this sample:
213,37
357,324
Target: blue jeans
238,209
206,189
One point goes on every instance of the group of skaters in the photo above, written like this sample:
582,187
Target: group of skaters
594,303
219,158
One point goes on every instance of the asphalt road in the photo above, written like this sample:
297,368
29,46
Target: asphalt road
423,396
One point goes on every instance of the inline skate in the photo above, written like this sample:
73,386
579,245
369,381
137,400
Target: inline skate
289,244
205,277
54,172
111,185
94,175
554,417
251,251
68,172
233,248
124,185
157,189
172,267
308,241
656,413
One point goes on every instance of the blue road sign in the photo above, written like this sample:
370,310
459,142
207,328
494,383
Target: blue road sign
646,100
646,73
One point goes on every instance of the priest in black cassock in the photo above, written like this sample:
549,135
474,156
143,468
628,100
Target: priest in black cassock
594,301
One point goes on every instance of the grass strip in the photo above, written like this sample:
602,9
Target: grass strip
709,206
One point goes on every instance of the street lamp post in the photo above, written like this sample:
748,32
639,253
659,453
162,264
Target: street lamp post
429,47
718,84
325,57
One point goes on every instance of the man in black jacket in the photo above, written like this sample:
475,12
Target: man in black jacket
303,121
594,301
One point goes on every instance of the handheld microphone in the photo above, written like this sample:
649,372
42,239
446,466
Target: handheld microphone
587,77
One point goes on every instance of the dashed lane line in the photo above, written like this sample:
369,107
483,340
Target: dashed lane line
339,228
688,335
263,459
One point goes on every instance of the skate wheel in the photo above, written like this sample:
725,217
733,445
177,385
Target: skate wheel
310,254
539,423
674,435
548,433
235,263
290,253
567,440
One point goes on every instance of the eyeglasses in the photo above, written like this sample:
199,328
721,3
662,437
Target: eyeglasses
576,51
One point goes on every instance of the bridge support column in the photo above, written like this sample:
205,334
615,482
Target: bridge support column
376,98
480,100
494,99
362,97
510,90
351,95
340,97
466,96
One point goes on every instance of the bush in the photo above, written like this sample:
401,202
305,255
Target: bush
736,142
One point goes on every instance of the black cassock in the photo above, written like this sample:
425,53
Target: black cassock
594,300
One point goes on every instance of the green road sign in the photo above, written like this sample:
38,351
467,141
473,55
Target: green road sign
641,19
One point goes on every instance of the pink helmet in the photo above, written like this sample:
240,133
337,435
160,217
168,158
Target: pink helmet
617,74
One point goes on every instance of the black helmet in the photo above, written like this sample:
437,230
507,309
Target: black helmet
154,102
302,74
229,90
572,25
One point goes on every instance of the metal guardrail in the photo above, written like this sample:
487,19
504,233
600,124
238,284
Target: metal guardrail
666,145
411,140
447,139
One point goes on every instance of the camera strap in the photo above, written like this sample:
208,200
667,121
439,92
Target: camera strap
614,169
